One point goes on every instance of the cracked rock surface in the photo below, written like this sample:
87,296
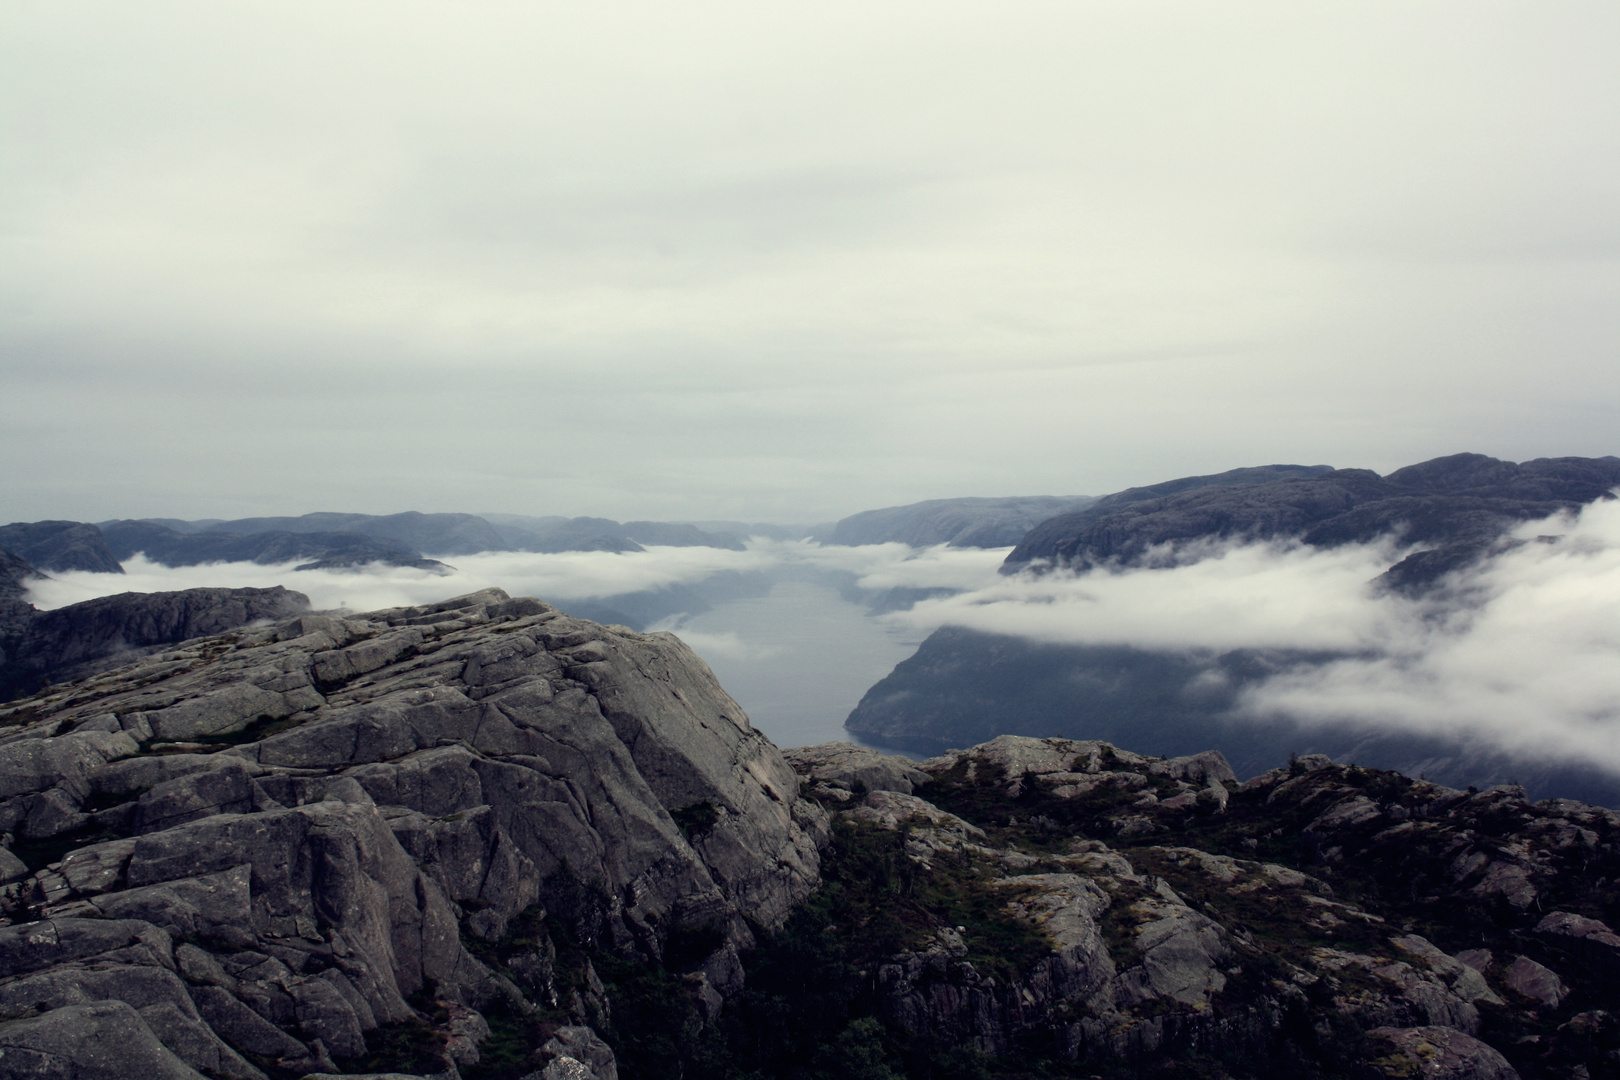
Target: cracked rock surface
266,852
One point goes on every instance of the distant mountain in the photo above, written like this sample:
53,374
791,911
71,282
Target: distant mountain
435,534
320,550
1456,507
981,523
60,545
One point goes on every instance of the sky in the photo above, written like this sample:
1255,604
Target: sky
786,262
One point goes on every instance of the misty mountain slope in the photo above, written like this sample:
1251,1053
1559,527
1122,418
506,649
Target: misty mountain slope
15,573
482,838
964,687
60,545
970,522
1462,502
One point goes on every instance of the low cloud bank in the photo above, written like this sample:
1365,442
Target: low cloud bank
560,578
1521,652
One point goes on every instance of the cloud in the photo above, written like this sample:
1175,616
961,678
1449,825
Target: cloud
1521,652
557,578
1235,596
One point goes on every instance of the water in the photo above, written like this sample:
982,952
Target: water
797,659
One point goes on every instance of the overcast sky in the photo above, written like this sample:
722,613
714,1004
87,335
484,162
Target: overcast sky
788,262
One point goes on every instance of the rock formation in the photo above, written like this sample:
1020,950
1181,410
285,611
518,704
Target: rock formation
39,647
307,846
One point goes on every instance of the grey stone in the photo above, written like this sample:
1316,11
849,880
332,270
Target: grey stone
225,789
213,906
583,1046
856,768
103,1040
31,946
325,1014
28,765
242,1027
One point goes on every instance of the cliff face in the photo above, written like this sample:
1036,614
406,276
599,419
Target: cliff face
297,847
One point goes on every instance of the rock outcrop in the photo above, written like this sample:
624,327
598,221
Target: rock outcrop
39,647
1070,908
354,844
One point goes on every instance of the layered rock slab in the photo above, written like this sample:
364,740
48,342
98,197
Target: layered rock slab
303,826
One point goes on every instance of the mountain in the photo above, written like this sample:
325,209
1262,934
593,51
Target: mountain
15,573
1455,507
60,545
555,534
440,534
983,523
321,550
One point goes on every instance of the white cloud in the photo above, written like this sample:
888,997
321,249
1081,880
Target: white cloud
1521,652
557,578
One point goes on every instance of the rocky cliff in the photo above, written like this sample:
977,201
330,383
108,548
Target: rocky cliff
337,843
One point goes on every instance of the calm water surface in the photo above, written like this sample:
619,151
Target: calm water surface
798,659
